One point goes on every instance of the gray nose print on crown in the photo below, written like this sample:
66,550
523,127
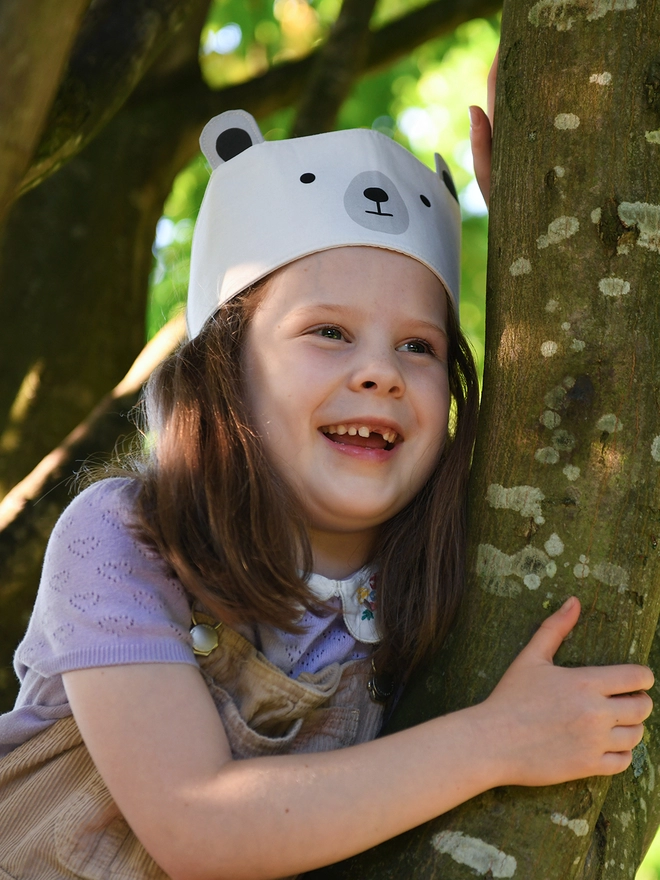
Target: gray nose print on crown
373,201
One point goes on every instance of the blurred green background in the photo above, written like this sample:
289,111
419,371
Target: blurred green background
650,868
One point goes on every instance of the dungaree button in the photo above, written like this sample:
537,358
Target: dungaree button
204,637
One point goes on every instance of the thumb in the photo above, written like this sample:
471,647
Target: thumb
554,629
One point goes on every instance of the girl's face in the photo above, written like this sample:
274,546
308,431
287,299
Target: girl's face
347,382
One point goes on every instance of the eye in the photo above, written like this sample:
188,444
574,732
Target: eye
416,346
330,332
307,177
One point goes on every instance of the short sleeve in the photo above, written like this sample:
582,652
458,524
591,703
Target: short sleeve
106,597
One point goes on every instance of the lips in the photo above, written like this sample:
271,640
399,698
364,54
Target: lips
364,435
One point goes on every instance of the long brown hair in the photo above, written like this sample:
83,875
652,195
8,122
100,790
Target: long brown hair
234,533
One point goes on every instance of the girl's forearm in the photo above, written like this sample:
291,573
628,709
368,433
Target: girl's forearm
158,742
272,817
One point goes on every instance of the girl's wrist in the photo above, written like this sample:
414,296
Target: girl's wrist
482,740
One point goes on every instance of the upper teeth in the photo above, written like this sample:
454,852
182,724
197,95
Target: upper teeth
362,430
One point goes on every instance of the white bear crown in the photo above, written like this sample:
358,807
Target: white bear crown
269,203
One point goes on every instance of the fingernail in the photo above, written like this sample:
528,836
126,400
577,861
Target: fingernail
568,604
473,117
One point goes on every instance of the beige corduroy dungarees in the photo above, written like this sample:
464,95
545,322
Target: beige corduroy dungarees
57,818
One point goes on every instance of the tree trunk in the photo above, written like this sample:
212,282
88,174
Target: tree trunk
114,48
74,271
565,490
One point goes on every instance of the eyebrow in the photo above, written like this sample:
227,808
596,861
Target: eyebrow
326,307
433,326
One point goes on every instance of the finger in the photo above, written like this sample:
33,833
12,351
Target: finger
614,762
491,87
624,679
480,142
632,708
624,739
554,629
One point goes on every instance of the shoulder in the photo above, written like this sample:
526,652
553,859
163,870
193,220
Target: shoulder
98,522
96,545
106,596
110,502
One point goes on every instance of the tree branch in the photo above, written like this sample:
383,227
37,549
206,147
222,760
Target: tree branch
193,103
337,65
436,19
98,432
118,41
30,77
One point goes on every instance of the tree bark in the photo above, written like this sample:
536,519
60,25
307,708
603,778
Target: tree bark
30,78
565,489
74,271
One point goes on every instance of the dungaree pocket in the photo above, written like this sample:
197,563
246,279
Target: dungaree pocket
264,712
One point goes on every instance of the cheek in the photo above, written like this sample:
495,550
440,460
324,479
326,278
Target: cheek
275,410
434,405
436,425
257,381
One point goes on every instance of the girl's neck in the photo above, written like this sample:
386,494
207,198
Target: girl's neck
338,555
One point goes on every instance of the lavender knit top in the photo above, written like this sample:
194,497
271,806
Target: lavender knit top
106,598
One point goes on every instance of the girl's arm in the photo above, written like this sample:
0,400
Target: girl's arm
157,740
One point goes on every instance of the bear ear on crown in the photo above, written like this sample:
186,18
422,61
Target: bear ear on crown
445,175
227,135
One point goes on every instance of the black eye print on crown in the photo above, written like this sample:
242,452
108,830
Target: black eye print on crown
425,201
307,177
231,142
449,184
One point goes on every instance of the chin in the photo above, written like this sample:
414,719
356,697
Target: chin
343,519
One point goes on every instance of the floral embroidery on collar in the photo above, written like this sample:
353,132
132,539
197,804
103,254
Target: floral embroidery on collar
366,596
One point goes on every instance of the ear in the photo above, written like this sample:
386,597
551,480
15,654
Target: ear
227,135
445,175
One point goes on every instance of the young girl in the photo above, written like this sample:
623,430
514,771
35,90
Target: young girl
216,634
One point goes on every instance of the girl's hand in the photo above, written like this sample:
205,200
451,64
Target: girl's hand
567,723
481,134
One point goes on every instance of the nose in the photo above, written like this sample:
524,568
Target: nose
379,373
376,194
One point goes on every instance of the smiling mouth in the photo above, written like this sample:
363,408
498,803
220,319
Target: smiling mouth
366,436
